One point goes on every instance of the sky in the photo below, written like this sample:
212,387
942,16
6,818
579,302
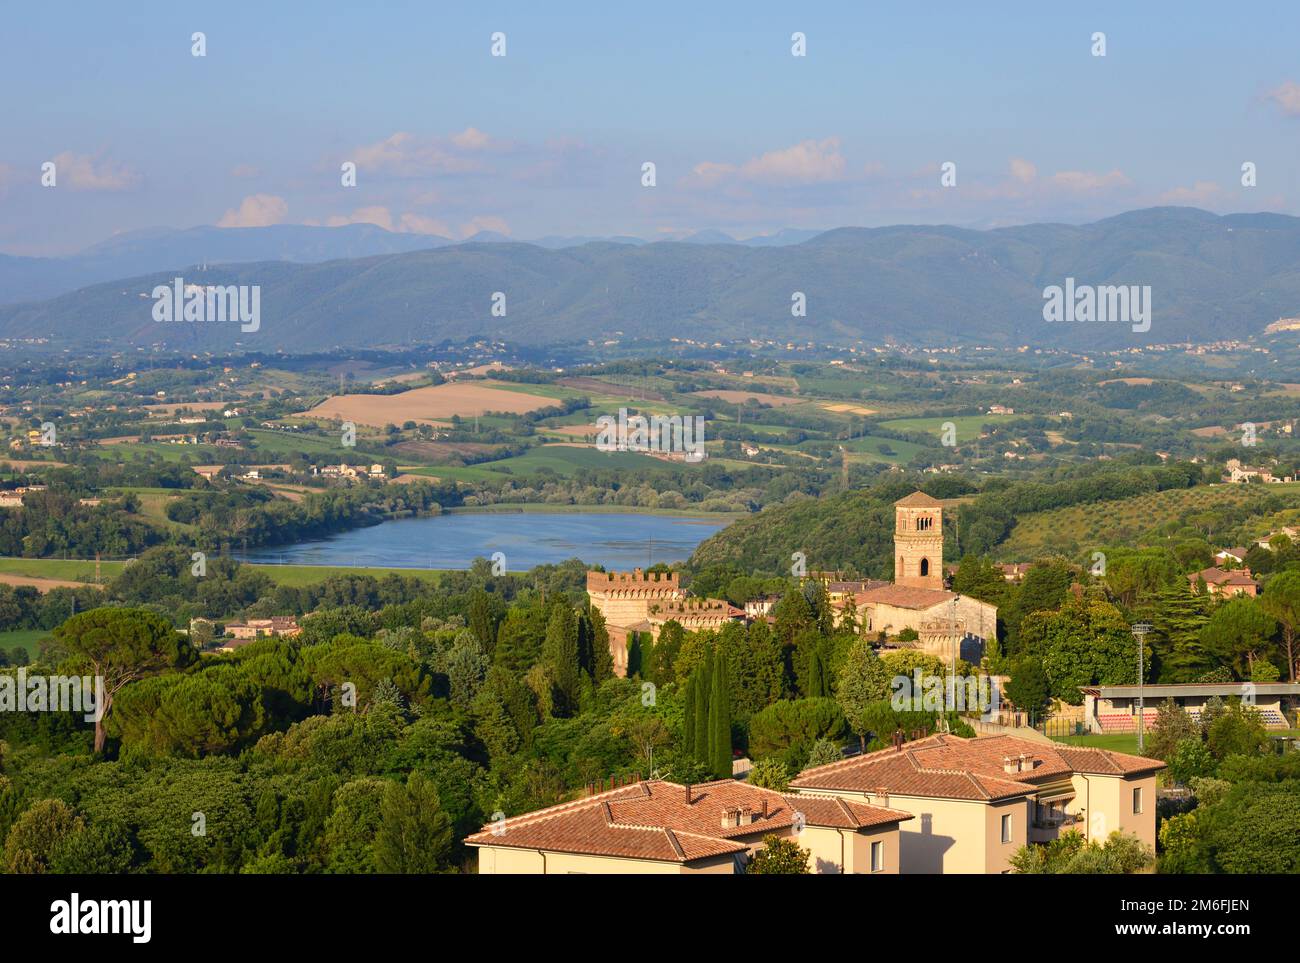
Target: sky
552,137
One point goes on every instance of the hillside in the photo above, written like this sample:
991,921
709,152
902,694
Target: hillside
1211,277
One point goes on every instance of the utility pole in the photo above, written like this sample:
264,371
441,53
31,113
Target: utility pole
1140,630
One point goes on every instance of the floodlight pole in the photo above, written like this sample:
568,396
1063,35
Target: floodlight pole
1140,630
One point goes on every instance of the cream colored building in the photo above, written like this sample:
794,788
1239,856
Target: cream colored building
976,801
657,827
640,601
917,600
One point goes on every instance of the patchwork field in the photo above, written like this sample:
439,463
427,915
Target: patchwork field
740,397
432,404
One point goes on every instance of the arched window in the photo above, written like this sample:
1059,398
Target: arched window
925,566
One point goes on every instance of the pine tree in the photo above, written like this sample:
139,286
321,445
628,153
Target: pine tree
720,718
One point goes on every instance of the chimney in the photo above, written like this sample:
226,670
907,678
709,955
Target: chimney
746,816
764,807
1007,764
688,794
882,795
1026,763
726,818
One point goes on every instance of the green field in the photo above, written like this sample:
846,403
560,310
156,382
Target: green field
1087,527
967,426
28,639
296,576
72,570
565,460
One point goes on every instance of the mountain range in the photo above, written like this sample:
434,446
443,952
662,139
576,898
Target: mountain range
1211,277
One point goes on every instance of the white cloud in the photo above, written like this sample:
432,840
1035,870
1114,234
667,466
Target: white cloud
82,172
1022,170
1200,193
471,138
1088,182
405,155
1287,98
807,162
382,217
484,223
256,210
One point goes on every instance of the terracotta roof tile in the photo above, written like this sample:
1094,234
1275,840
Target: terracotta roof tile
905,597
919,499
950,767
652,820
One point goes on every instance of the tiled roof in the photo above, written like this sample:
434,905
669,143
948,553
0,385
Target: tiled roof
653,820
950,767
919,499
905,597
1217,576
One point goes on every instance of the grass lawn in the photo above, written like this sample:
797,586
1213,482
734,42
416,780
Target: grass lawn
1116,741
26,638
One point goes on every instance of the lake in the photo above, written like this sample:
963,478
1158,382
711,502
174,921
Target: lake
616,541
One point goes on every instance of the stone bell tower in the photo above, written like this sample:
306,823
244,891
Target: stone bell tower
918,541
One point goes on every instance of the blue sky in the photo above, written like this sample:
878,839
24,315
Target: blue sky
550,139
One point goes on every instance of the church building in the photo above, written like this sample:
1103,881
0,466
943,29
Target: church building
917,599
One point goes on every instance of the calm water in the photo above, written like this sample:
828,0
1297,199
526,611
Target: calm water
616,541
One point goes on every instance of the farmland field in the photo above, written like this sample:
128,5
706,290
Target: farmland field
740,397
436,403
968,426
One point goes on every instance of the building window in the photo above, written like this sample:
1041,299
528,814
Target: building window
1137,799
877,857
1006,828
925,566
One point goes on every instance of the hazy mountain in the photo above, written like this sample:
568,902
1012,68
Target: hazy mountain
160,249
1211,277
781,238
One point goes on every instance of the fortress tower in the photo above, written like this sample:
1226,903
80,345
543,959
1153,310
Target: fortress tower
918,542
625,598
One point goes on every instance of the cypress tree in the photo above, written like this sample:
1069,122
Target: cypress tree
633,653
688,716
700,737
560,653
719,755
